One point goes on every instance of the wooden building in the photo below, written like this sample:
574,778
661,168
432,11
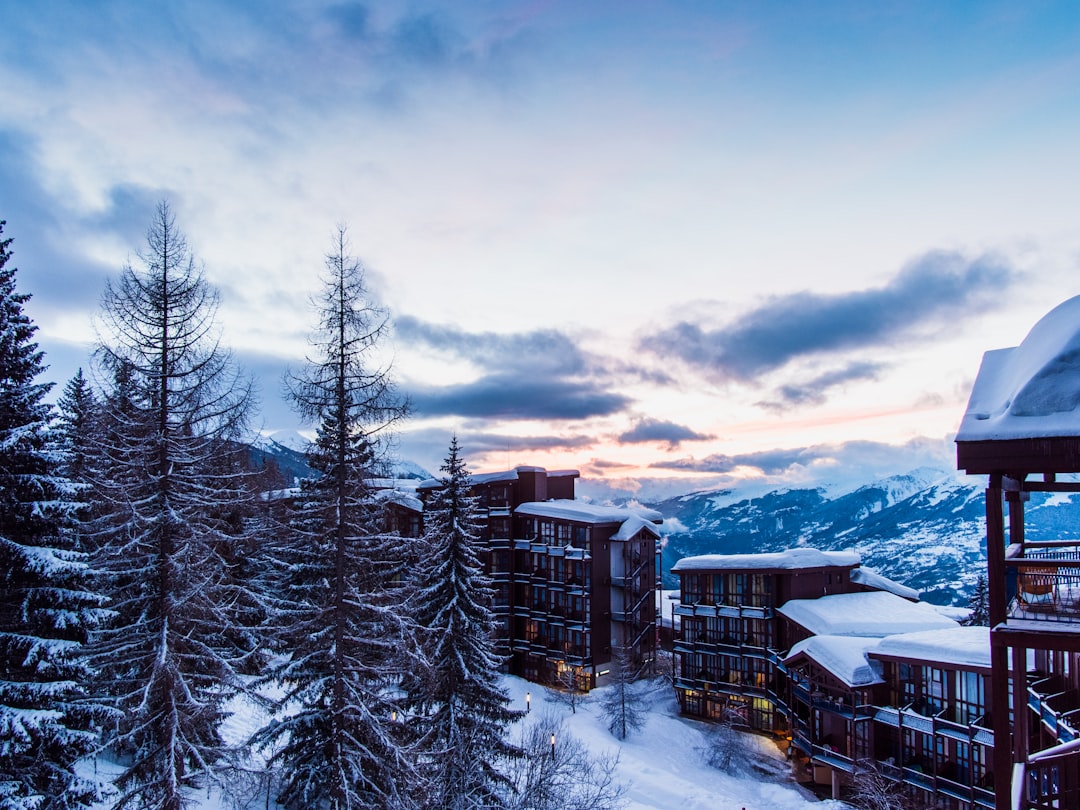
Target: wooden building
1021,430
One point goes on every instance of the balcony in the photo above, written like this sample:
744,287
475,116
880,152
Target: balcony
707,609
1047,585
976,732
1051,779
1058,708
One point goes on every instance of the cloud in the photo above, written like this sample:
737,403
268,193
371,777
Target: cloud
858,460
483,449
812,391
929,294
658,430
541,374
544,350
518,396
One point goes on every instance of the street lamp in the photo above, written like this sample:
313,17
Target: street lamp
553,746
528,702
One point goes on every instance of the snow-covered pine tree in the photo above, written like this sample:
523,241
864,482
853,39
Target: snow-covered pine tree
463,712
979,604
168,662
77,428
46,608
622,703
342,623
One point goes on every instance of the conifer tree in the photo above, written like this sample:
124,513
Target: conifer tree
979,604
169,660
46,608
622,703
341,620
464,712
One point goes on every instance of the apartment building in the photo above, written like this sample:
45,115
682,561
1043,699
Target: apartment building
574,581
852,676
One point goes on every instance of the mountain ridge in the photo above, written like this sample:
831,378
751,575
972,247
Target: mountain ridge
925,528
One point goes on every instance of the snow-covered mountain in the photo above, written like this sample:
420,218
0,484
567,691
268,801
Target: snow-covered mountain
925,529
285,449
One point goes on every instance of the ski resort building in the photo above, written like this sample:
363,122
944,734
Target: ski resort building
1021,430
574,581
846,665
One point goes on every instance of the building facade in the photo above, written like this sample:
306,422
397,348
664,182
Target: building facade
574,581
845,666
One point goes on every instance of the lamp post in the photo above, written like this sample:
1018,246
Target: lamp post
528,702
553,746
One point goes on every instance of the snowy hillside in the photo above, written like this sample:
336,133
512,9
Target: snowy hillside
925,529
661,765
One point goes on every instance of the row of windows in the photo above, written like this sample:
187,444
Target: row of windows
751,590
723,630
959,696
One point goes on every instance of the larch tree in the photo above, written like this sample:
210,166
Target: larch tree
46,607
462,711
339,743
174,403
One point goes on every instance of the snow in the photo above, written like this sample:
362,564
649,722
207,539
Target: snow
632,526
964,646
662,764
872,614
843,656
502,475
588,512
1031,390
872,579
792,558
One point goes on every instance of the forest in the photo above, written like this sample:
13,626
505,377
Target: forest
146,578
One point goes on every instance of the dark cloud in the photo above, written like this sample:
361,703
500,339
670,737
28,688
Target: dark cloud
930,293
518,396
864,459
812,391
531,375
545,351
658,430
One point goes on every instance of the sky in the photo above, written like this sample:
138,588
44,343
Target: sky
673,245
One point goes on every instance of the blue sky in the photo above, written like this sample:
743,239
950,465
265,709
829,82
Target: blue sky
688,243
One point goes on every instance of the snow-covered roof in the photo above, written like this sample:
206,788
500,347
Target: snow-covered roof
502,475
585,512
632,526
406,499
873,614
843,656
965,646
872,579
792,558
1032,390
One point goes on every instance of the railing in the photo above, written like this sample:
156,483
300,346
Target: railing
1051,783
977,731
1047,581
1058,709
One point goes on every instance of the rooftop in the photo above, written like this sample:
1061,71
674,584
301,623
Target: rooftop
873,614
964,646
792,558
843,656
1032,390
585,512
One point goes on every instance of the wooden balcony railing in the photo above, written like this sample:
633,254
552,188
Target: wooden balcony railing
1046,577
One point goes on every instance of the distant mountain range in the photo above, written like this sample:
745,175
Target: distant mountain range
925,529
286,452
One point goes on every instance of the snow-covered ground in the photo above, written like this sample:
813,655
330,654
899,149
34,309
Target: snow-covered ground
661,764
